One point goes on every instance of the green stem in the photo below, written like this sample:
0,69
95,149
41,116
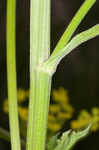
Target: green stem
11,76
41,110
86,6
39,52
5,135
53,61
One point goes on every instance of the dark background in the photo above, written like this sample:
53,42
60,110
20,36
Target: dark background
78,72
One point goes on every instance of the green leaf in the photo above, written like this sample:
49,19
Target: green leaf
53,61
52,142
70,138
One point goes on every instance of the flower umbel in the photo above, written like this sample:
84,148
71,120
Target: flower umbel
60,110
85,118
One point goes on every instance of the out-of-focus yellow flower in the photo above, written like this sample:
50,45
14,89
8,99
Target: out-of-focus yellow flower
64,116
60,95
23,113
51,118
85,118
67,108
61,109
54,108
21,95
77,124
84,115
95,118
5,106
95,111
54,127
95,127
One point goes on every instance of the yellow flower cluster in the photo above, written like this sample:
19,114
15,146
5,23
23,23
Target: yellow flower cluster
85,118
60,110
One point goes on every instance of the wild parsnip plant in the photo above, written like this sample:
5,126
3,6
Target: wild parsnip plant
42,67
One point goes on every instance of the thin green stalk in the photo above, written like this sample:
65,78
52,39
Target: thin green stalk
86,6
39,52
11,76
5,135
53,61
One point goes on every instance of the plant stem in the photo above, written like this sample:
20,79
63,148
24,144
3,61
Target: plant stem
41,110
11,76
39,82
5,135
53,61
86,6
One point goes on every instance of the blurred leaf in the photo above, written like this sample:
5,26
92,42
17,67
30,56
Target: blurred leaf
52,142
69,138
